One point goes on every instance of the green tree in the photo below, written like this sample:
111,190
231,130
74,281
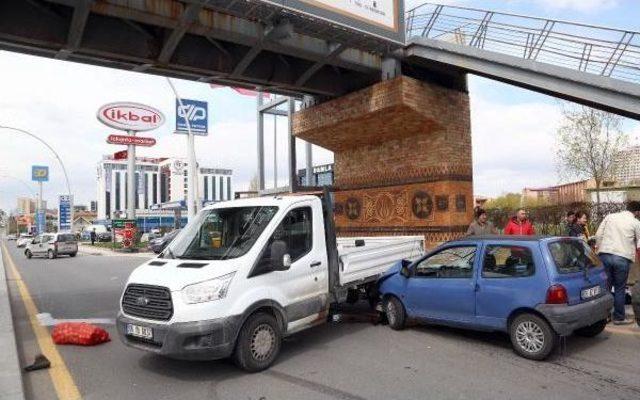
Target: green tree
508,201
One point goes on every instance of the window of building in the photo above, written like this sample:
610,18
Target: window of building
117,191
155,188
213,188
146,191
453,262
206,187
503,261
228,188
221,188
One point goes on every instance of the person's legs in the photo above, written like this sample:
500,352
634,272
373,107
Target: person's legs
620,274
607,262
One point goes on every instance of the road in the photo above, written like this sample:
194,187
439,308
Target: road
342,360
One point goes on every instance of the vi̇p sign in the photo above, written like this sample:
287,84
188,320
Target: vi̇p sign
39,173
196,112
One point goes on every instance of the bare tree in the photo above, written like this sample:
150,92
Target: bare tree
588,143
253,184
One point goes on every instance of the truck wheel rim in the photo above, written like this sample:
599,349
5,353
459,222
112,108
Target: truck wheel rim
530,337
262,342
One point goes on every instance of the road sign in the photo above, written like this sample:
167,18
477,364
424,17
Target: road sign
130,116
131,140
41,221
65,209
197,112
39,173
120,155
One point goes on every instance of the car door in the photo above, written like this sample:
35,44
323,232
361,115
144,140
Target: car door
442,287
510,277
298,285
36,246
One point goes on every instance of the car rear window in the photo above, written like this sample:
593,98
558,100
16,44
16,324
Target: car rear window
66,238
572,255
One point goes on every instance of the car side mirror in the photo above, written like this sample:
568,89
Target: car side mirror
33,241
280,258
404,271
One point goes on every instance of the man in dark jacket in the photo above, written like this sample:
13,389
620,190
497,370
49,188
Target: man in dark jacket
519,224
93,236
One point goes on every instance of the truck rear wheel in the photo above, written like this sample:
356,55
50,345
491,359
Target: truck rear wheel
258,343
396,315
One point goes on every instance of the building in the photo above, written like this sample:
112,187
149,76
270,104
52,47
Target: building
94,206
27,205
627,167
158,181
565,194
322,175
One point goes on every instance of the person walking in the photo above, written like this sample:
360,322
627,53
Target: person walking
519,224
92,234
618,240
481,225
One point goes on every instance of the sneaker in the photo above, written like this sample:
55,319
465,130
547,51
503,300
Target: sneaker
622,322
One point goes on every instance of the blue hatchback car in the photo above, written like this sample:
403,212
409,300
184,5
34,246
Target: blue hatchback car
534,288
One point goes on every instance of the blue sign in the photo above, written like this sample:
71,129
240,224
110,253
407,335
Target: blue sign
41,220
39,173
65,209
197,112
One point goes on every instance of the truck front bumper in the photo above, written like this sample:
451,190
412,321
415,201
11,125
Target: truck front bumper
200,340
565,319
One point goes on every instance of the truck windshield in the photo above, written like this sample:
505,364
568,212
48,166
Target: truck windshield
221,233
572,255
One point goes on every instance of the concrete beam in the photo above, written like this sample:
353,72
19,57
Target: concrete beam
615,96
76,29
335,49
186,19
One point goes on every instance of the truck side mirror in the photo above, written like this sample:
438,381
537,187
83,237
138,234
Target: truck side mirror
280,258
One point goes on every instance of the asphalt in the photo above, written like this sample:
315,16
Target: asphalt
342,360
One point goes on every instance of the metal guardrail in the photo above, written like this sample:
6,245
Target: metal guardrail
593,49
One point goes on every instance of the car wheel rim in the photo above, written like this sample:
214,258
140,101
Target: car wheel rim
262,342
391,313
530,337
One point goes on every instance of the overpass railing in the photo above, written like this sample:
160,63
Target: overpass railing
593,49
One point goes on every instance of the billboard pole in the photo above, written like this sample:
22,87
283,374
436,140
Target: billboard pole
131,178
39,209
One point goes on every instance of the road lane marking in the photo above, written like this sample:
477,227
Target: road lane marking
46,319
63,382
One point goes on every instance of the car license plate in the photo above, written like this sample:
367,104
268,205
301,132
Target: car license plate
590,292
139,331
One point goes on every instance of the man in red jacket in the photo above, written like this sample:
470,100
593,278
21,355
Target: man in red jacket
519,225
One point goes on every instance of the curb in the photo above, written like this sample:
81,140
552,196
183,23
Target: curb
11,387
96,251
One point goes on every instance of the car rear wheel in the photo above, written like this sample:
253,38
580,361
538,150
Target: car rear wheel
73,254
396,315
592,330
532,337
258,343
28,254
51,255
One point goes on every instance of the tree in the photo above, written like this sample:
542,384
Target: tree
253,184
588,142
507,201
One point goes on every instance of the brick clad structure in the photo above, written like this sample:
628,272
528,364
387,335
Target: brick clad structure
402,158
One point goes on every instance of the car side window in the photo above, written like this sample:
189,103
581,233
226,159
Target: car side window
506,261
453,262
37,240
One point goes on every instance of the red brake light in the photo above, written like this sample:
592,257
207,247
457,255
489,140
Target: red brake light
557,294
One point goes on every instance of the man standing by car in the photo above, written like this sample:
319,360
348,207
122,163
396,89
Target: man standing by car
481,225
93,236
618,238
519,225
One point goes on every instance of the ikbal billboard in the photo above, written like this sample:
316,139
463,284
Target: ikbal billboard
381,18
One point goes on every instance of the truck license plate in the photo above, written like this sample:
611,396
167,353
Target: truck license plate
139,331
590,292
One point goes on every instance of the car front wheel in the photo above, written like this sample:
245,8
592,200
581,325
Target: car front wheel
396,315
28,254
51,255
532,337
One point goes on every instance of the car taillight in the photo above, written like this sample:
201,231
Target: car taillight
557,294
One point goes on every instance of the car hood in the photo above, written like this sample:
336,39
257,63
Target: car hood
176,274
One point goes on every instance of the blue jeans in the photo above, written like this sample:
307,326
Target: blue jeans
617,269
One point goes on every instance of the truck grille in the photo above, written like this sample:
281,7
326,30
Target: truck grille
151,302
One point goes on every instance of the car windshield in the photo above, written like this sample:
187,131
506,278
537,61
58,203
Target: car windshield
572,255
221,233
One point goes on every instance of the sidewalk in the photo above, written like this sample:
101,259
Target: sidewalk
88,250
10,372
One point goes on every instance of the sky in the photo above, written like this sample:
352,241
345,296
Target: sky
512,129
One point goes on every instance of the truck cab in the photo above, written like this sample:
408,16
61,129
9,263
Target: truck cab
245,273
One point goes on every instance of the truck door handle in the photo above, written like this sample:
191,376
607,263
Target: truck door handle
316,264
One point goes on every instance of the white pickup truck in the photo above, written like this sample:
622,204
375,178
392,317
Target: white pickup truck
245,273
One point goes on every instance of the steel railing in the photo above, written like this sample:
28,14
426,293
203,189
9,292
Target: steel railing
593,49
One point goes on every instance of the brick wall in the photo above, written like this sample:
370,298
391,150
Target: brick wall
402,158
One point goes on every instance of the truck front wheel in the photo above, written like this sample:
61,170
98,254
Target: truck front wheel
258,343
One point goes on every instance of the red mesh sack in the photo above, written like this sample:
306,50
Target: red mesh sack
79,333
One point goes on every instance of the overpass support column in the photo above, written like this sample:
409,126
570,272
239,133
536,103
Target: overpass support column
402,158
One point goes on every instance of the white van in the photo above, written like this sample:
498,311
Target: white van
245,273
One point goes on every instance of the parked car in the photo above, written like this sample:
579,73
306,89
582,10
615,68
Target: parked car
24,239
52,245
102,233
535,289
245,273
12,236
158,244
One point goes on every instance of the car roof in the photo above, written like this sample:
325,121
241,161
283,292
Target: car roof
511,238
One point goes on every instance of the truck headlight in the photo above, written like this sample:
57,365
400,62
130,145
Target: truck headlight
214,289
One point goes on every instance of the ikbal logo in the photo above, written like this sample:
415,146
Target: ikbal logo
130,116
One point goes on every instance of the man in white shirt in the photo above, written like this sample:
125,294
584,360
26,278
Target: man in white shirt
618,238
